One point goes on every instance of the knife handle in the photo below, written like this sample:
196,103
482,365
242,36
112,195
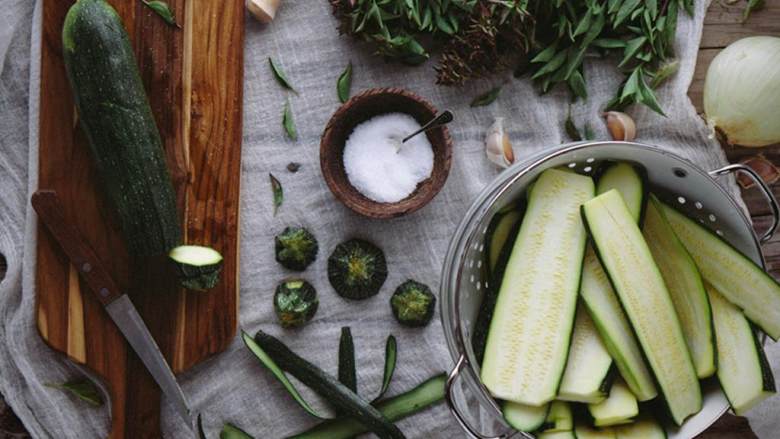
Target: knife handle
52,214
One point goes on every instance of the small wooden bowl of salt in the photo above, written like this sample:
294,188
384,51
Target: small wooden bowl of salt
367,167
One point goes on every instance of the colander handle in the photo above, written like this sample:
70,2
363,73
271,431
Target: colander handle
765,190
449,396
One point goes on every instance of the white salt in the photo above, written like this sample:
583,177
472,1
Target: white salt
382,168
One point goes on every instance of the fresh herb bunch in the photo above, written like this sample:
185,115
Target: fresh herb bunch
641,32
401,29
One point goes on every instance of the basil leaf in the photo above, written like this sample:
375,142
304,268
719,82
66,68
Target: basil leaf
230,431
278,193
391,354
280,76
344,83
486,98
288,123
83,389
163,10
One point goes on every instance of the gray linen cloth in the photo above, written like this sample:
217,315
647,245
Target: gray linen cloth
303,39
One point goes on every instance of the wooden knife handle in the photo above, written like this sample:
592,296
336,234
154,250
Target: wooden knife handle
52,214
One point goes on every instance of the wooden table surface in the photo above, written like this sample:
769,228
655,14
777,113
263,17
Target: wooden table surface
722,25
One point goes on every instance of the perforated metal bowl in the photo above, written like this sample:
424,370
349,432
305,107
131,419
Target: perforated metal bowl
675,180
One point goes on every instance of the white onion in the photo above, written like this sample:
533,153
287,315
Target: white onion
742,92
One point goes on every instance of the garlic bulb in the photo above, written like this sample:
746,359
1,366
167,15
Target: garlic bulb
742,92
620,126
498,148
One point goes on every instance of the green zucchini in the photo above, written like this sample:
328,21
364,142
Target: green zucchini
587,377
347,373
584,431
337,394
556,435
559,418
640,287
629,180
744,374
115,115
502,230
735,276
529,335
524,417
199,267
643,428
619,407
685,286
425,395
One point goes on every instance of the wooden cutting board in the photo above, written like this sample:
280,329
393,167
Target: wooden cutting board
194,79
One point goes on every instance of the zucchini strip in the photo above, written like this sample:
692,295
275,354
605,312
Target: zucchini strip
587,377
391,349
582,431
337,394
744,374
629,180
559,418
619,407
425,395
347,373
524,417
735,276
685,286
528,340
640,287
643,428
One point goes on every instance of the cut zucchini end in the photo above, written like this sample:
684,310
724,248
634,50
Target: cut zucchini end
195,255
202,282
199,267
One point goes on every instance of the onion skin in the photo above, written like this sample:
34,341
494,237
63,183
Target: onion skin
742,92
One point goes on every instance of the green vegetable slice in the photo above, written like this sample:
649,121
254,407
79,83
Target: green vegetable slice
201,431
277,372
357,269
347,372
559,418
524,417
413,304
230,431
199,267
295,248
278,193
337,394
295,303
163,10
391,349
396,408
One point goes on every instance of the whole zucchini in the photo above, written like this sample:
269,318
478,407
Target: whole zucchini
117,119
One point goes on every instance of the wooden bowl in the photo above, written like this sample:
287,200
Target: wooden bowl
360,108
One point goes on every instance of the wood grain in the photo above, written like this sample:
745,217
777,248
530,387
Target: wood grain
193,77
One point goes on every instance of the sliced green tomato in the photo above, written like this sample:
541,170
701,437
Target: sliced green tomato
614,328
524,417
559,418
643,428
619,407
743,372
587,374
556,435
529,334
583,431
685,286
640,287
629,182
499,234
738,278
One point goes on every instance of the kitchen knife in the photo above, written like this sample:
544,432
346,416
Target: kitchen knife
117,304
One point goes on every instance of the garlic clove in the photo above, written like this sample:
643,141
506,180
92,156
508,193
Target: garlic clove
498,148
620,126
263,10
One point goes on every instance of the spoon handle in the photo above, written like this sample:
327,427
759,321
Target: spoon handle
443,118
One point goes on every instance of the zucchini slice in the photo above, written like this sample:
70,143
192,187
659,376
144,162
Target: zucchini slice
630,182
346,370
584,431
685,286
528,340
743,372
640,287
587,377
620,407
524,417
614,328
643,428
198,266
425,395
503,230
735,276
569,434
559,418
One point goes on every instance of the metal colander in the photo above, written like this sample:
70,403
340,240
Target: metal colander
674,179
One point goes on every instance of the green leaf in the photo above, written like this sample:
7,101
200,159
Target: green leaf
444,25
571,128
589,132
391,349
230,431
632,47
577,85
278,373
555,63
647,96
278,193
280,76
664,71
288,122
651,6
583,25
344,83
83,389
486,98
201,431
163,10
752,5
609,43
546,54
626,9
631,87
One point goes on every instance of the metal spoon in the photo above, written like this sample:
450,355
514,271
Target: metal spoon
443,118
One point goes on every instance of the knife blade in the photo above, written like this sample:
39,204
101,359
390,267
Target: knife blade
117,304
